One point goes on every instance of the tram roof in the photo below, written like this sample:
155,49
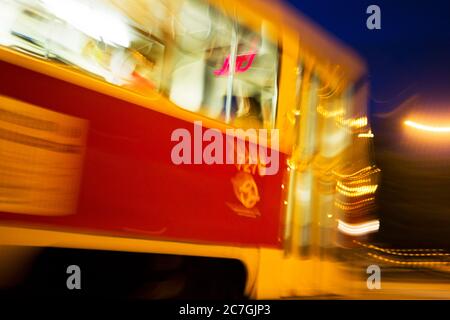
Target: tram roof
312,36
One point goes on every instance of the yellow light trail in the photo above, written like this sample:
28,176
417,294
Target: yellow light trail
428,128
355,191
411,263
401,252
366,135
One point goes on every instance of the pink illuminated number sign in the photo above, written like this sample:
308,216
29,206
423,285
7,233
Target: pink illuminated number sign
243,63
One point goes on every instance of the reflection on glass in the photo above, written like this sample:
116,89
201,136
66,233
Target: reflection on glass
179,48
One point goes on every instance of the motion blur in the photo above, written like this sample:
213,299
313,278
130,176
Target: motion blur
90,94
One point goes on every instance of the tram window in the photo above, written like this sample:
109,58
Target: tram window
255,79
203,56
94,36
182,48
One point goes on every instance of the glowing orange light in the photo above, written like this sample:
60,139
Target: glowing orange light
366,135
356,191
428,128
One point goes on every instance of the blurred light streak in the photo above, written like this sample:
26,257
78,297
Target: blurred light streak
366,135
360,228
364,172
359,181
355,205
330,114
401,252
412,263
428,128
356,191
355,123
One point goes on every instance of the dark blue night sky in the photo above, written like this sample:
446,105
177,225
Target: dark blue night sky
410,54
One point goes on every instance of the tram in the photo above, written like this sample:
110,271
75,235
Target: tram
92,91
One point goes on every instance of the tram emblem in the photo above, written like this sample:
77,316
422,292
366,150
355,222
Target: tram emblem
245,189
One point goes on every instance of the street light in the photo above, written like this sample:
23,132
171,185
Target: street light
427,128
